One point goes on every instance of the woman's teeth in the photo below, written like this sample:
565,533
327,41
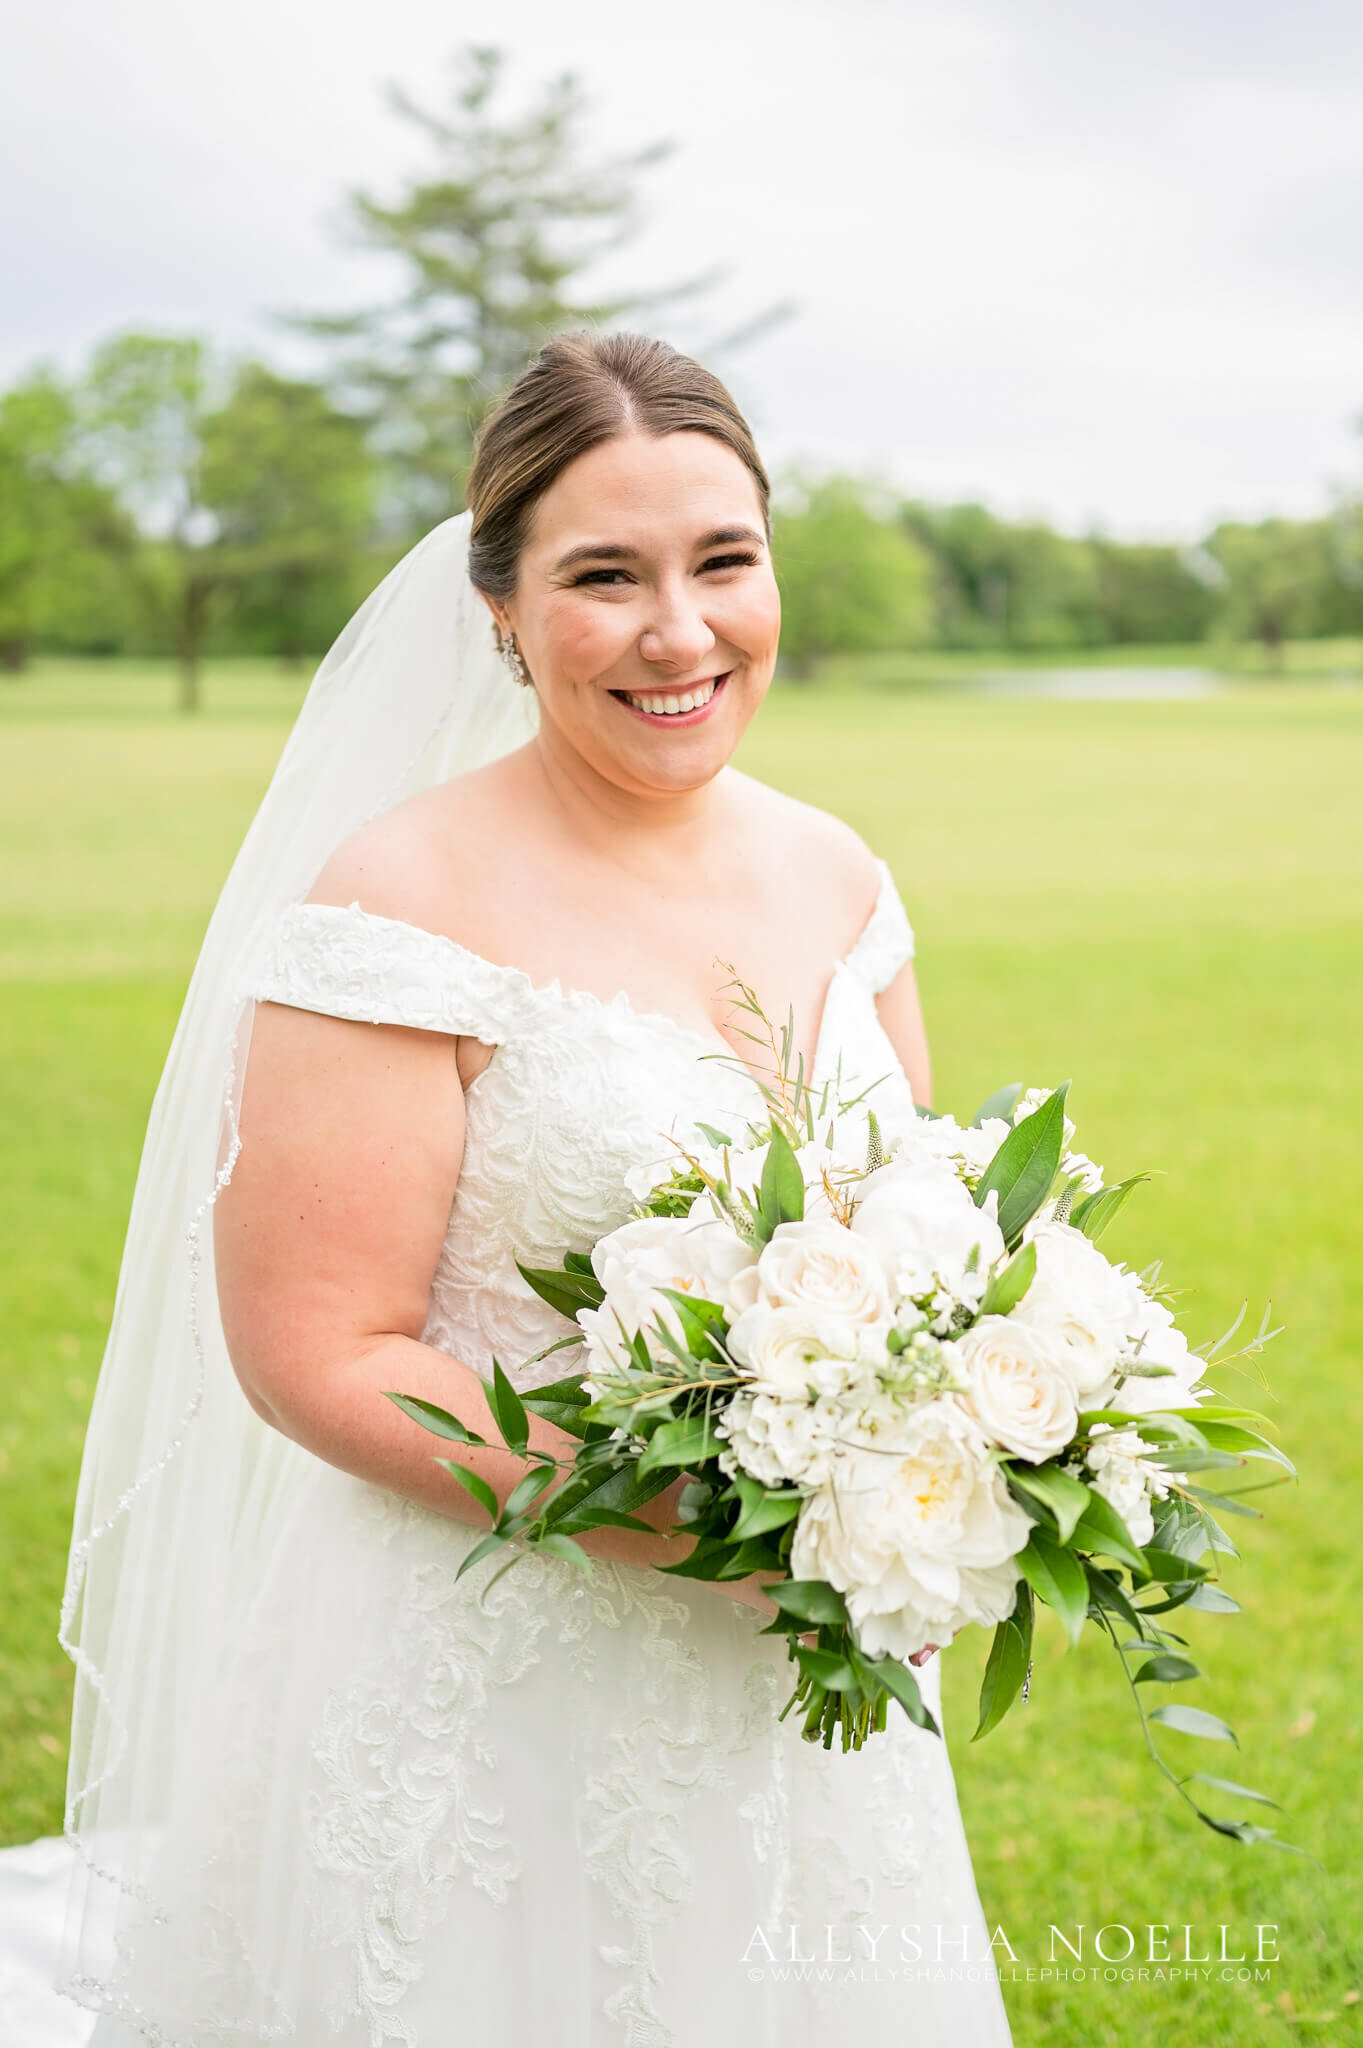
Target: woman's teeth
659,706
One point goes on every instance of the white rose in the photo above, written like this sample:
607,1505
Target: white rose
1019,1387
916,1527
824,1268
1082,1300
924,1224
790,1351
633,1263
1125,1478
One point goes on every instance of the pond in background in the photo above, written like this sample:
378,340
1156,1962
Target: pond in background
1098,682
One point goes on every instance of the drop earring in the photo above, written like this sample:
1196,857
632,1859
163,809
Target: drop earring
514,659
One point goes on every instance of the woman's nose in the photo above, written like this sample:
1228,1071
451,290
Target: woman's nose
678,635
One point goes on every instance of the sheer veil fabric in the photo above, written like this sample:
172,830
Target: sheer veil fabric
176,1481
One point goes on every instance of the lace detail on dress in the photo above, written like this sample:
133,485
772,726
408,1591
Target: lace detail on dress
887,941
378,970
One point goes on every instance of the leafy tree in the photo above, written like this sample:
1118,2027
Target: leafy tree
1150,594
50,518
496,245
143,408
1007,584
232,478
1279,578
291,489
851,582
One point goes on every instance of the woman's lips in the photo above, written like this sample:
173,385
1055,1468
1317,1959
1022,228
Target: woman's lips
661,717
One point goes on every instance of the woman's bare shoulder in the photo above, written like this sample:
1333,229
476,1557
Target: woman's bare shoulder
422,862
831,858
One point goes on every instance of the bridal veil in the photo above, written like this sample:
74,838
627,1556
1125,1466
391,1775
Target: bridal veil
177,1477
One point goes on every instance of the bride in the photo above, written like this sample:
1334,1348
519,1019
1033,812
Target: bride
323,1791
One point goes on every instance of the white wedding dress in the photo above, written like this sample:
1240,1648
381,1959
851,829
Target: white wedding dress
565,1815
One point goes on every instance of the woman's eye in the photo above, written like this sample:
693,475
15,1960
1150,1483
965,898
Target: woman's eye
740,561
603,576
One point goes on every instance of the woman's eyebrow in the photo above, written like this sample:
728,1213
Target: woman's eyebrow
612,551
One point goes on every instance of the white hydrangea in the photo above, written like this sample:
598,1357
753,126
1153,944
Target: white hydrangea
1123,1474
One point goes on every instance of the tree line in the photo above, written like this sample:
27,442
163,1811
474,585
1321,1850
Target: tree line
169,498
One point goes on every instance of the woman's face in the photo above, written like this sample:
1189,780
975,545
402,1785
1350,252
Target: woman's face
646,609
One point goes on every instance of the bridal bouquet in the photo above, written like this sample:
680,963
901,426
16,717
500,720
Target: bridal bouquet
898,1375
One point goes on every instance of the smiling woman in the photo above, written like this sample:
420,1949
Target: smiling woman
327,1787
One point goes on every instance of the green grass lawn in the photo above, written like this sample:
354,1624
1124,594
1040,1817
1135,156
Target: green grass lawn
1162,899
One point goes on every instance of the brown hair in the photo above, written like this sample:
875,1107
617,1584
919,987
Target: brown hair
583,389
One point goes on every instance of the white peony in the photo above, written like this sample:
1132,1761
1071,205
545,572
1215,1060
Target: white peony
1125,1477
825,1269
916,1527
929,1234
1083,1301
790,1351
1020,1388
635,1262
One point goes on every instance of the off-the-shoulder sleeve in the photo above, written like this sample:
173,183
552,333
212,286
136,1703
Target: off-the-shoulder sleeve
887,941
378,970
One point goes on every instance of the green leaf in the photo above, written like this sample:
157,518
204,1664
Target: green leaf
1228,1436
566,1291
495,1540
1006,1669
579,1262
561,1402
437,1420
1169,1567
508,1410
1228,1785
685,1443
1006,1289
768,1510
472,1483
809,1600
1056,1576
1193,1721
564,1546
704,1323
827,1669
1065,1496
1096,1211
1101,1529
717,1138
1024,1166
900,1683
1213,1600
1001,1103
1165,1669
781,1196
528,1488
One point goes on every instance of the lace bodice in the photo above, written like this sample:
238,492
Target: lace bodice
579,1092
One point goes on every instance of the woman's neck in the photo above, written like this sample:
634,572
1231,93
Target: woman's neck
636,828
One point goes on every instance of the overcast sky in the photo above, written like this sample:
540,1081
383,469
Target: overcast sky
1103,262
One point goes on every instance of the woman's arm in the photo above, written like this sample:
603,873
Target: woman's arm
901,1014
326,1240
